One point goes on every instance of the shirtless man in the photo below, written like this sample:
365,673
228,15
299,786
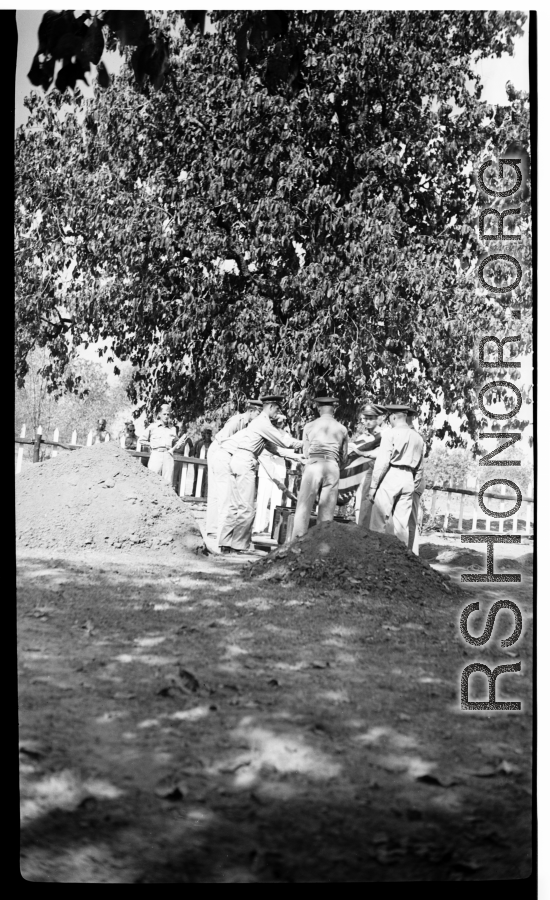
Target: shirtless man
326,446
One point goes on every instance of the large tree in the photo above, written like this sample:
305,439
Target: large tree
292,208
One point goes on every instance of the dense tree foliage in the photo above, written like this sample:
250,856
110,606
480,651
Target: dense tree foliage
292,208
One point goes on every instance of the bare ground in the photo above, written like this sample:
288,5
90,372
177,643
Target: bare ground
180,723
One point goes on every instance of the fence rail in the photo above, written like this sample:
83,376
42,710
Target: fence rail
189,477
442,512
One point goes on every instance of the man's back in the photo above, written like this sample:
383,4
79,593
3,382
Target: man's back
326,437
407,447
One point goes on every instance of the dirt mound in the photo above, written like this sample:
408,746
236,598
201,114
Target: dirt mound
472,559
356,560
100,497
525,561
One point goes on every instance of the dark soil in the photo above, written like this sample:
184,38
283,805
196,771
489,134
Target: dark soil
182,724
375,566
184,720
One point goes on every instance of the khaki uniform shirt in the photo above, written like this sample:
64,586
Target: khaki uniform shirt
400,446
159,436
258,435
234,424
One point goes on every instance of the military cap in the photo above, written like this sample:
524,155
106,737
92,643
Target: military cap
327,401
272,398
254,403
372,411
396,408
411,411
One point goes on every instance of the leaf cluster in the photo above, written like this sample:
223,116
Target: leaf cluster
292,210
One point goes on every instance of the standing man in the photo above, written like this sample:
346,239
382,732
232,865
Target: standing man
415,521
128,438
397,470
184,438
219,473
183,441
271,475
205,441
144,445
161,436
237,510
366,448
101,435
326,446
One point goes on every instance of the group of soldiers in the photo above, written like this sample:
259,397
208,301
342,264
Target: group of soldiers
391,480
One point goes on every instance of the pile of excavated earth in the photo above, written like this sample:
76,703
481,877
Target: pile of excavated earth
100,497
356,560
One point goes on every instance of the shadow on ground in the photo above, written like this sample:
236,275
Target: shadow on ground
199,728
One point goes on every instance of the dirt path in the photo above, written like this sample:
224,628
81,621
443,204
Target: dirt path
197,727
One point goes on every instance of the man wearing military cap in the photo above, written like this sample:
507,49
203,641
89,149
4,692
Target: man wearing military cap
397,470
326,448
219,473
237,510
367,447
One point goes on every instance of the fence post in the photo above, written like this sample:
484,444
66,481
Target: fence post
36,448
90,439
73,437
501,503
461,512
432,506
515,520
21,451
187,476
448,509
475,508
200,473
183,471
56,438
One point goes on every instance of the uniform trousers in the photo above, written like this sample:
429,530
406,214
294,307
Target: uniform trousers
365,507
237,513
162,462
393,500
216,472
219,488
318,473
415,522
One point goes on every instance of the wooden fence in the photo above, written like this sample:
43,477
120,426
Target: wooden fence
445,509
189,471
456,510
